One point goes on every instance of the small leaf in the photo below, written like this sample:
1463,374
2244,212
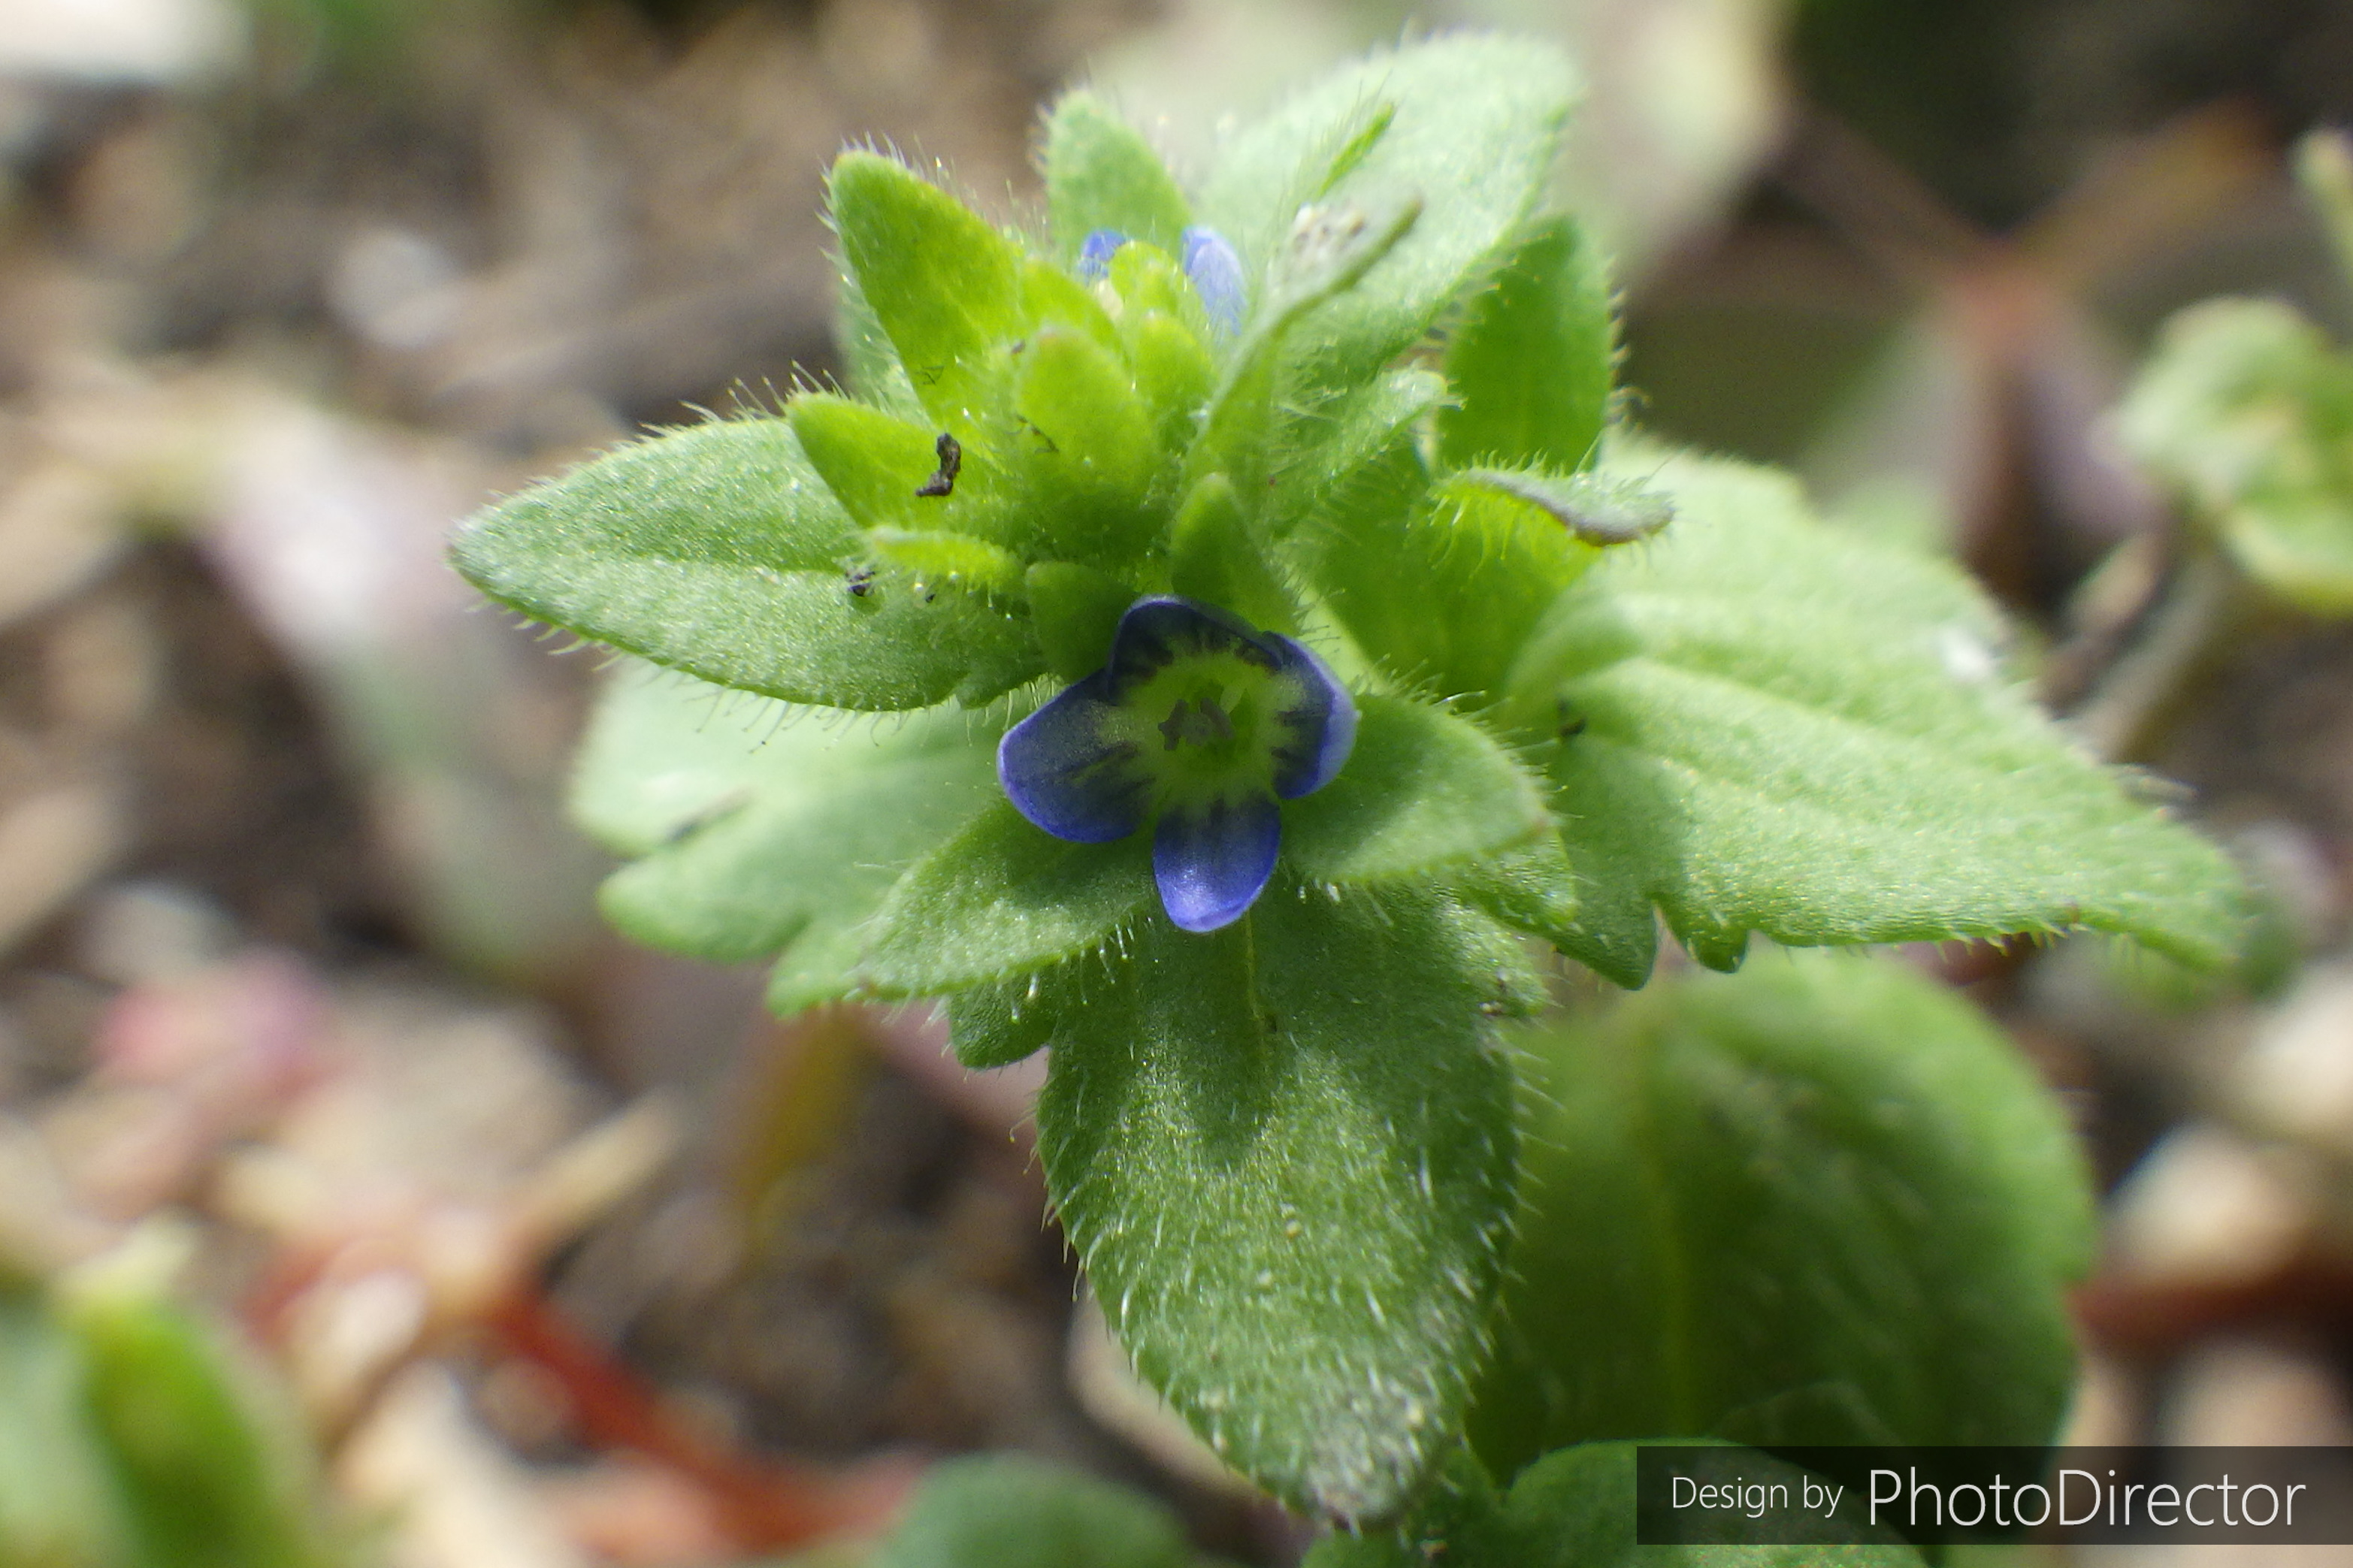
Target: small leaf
1236,434
1174,374
1455,1522
1446,595
1076,610
1423,791
1213,558
2246,409
1008,1511
870,366
718,551
1088,447
1532,360
877,464
1587,507
1820,1203
1769,725
1002,897
945,286
1099,174
957,562
1357,460
1284,1152
1465,124
997,1023
763,827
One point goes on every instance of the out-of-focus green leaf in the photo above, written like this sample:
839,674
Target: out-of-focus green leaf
1007,1510
1284,1151
2247,411
1767,725
1822,1201
718,551
206,1478
59,1505
1575,1509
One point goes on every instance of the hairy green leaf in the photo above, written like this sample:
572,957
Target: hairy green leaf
1087,447
1465,125
762,829
1767,725
1446,595
1422,792
1284,1152
869,364
878,464
1077,611
2247,410
1099,174
1003,898
1239,432
1532,359
1822,1201
1008,1511
1213,557
1356,456
945,287
1531,889
717,550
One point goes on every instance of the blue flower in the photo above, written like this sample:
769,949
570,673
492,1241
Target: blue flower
1217,275
1210,262
1095,253
1200,722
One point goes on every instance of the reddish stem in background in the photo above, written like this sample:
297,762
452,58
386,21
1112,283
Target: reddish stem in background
765,1506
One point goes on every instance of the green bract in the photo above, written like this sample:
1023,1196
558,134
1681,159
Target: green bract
1597,684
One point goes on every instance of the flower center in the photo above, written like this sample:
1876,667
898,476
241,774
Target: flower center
1202,725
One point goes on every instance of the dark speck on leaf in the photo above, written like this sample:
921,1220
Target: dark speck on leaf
951,454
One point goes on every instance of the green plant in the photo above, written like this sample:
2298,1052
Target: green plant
1287,656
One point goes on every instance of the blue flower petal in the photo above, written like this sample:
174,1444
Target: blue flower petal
1156,631
1217,275
1096,252
1319,726
1212,858
1065,769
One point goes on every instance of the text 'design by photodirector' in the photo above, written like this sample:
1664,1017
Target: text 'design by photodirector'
2086,1497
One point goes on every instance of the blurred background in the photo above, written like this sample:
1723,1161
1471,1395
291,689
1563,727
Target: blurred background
559,1252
